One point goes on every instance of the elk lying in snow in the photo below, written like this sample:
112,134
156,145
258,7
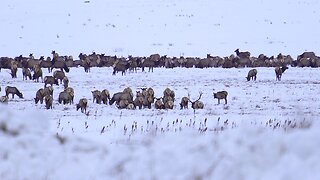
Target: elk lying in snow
123,104
159,104
138,101
184,103
83,104
50,80
197,104
13,91
242,54
26,73
4,99
96,94
279,71
48,100
221,95
252,74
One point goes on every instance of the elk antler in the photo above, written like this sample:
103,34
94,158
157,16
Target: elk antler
199,96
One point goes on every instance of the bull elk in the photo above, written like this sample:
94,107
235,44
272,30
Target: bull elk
197,104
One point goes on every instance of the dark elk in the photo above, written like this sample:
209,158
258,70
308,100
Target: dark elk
279,71
252,75
26,74
150,62
221,95
48,100
184,103
13,91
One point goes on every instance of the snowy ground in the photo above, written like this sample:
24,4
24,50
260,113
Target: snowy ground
237,141
171,143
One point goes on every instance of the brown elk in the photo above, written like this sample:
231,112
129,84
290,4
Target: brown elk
70,91
50,80
83,104
65,82
96,94
37,73
14,69
4,99
39,96
105,96
184,103
221,95
59,75
48,100
159,104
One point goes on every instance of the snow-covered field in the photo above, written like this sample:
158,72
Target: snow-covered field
268,130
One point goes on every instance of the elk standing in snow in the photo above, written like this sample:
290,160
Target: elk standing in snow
221,95
279,71
252,74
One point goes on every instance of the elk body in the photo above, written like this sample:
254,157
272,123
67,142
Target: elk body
65,82
83,104
13,91
252,75
70,91
59,75
279,71
14,69
26,74
64,98
39,96
105,96
37,73
48,100
50,80
184,103
96,94
221,95
159,104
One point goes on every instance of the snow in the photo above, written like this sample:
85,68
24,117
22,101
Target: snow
268,129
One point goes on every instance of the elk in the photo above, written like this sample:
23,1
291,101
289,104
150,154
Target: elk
65,82
242,54
13,91
4,99
64,97
117,97
252,75
138,101
159,104
59,75
70,90
120,65
37,73
14,69
26,73
83,104
39,96
50,80
105,96
96,96
123,104
279,71
221,95
197,104
48,100
184,103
